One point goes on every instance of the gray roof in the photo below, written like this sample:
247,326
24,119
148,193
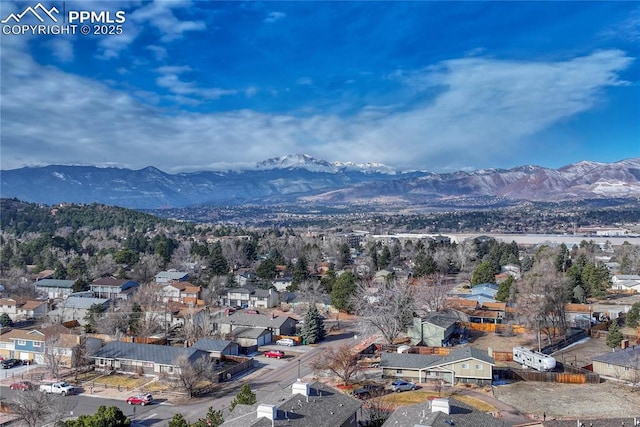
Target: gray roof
254,320
408,360
424,361
442,321
629,357
172,275
251,333
81,303
55,283
326,407
461,353
207,344
460,415
160,354
599,422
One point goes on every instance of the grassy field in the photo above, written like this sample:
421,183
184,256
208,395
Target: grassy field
419,396
122,380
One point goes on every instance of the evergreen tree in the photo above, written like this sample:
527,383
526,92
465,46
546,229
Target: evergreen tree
212,419
5,320
633,316
107,416
267,269
614,337
504,289
424,264
343,290
300,273
244,397
178,421
218,264
313,326
484,273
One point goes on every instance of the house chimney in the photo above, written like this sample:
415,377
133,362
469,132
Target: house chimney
440,404
301,388
267,411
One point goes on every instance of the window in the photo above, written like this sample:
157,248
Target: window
37,344
465,366
22,342
399,371
479,367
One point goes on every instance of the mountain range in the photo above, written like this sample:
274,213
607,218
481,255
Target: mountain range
301,178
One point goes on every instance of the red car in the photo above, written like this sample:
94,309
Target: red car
22,385
140,399
274,353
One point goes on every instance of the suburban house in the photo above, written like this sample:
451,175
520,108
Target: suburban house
217,348
282,283
23,309
145,359
250,338
169,276
32,345
182,292
433,331
463,364
621,364
441,412
112,288
278,325
44,274
54,288
76,308
23,344
250,297
626,282
302,405
578,315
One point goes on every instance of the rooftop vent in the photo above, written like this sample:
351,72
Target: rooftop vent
440,404
267,411
300,388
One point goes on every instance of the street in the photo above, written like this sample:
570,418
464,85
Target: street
267,376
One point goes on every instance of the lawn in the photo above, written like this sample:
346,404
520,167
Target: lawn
419,396
122,380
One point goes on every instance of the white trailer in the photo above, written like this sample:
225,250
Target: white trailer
533,359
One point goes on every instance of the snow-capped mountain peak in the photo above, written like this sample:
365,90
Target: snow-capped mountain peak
307,162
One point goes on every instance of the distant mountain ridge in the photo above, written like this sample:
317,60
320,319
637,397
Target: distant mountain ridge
301,178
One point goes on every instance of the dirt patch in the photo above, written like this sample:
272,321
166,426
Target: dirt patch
602,400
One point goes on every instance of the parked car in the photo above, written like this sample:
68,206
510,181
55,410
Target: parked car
140,399
361,393
61,388
22,385
374,389
9,363
286,341
401,385
274,353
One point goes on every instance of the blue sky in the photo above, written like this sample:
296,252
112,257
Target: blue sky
440,86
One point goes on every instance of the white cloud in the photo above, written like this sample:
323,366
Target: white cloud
62,48
187,92
484,107
274,17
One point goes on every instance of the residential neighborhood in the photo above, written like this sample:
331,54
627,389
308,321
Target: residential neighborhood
361,329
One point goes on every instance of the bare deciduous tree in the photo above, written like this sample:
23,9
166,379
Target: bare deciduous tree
192,372
541,296
386,308
341,361
36,409
431,292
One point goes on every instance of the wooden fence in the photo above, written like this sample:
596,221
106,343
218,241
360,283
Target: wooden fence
498,328
241,364
575,377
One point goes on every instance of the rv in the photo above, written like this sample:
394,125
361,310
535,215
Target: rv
533,359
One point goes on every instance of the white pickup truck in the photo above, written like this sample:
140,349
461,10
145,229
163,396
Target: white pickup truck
60,388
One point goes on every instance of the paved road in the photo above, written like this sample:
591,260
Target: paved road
267,376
